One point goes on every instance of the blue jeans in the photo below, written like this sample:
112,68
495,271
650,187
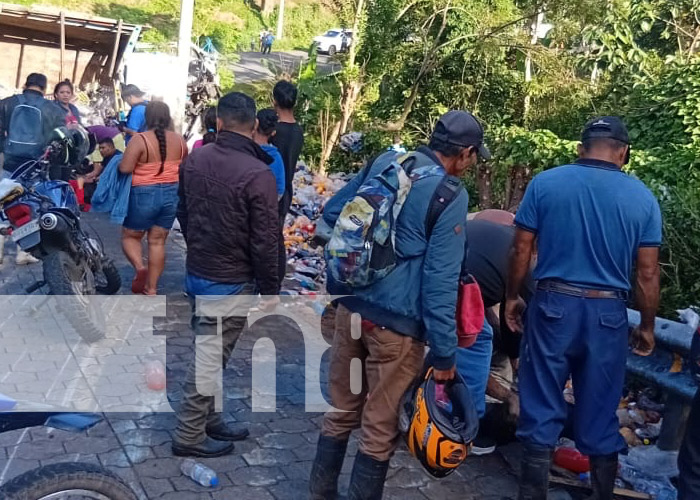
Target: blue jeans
149,206
584,338
474,363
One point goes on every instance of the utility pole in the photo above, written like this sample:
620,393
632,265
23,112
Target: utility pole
280,21
183,57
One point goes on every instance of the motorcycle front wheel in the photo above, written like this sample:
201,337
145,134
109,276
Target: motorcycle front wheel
75,283
65,481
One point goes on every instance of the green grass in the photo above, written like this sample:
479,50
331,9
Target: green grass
231,24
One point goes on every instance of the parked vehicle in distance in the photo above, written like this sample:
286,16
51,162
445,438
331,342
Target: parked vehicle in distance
334,40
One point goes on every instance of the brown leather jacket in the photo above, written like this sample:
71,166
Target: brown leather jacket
228,213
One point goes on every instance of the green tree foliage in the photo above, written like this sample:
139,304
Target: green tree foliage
634,58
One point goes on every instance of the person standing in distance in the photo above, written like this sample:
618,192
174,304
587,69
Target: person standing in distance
136,119
592,222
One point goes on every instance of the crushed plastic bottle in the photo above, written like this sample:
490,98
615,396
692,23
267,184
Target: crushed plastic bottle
659,489
653,462
155,375
199,473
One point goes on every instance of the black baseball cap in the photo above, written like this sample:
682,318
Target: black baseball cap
461,128
132,90
36,80
606,127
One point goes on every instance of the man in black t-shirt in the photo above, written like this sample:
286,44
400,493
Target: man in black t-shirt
289,139
489,240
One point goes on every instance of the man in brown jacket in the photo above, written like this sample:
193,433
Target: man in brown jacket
229,217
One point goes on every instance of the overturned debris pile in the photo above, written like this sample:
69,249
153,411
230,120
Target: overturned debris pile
305,265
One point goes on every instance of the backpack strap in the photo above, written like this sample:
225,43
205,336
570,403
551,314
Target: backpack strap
446,191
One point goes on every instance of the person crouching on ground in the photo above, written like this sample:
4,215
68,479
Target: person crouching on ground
153,158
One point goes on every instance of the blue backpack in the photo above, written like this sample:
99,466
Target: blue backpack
25,135
361,250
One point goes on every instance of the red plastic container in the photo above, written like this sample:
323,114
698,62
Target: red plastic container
572,459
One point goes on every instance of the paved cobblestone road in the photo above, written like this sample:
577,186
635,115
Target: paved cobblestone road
273,463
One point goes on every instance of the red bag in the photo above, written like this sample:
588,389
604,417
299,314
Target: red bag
470,312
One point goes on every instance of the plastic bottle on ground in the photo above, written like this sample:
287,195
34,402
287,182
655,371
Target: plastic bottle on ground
199,473
659,489
653,462
155,375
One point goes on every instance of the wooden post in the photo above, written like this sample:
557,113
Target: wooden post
75,65
63,44
18,82
115,51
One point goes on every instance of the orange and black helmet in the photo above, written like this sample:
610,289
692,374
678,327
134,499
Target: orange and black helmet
438,436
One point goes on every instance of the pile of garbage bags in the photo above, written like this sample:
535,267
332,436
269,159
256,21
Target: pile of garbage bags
305,264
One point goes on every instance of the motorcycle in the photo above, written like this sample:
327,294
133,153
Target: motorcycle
44,217
69,480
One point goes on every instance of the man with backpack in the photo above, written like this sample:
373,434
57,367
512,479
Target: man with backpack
26,122
409,212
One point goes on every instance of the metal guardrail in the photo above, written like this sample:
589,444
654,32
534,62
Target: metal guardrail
672,341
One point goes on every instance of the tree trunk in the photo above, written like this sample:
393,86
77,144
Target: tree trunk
350,91
267,6
483,182
429,63
519,182
333,137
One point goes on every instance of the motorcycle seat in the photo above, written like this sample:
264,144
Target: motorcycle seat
9,190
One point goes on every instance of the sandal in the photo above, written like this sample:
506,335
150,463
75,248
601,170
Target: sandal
138,284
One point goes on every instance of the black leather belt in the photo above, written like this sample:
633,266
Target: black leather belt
587,293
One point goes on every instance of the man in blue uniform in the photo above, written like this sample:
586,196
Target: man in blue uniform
592,222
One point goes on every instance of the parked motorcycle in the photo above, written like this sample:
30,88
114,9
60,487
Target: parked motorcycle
44,216
61,481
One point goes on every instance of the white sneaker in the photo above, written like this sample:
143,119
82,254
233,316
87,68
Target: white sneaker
24,258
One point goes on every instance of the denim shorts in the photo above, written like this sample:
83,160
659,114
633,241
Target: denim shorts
154,205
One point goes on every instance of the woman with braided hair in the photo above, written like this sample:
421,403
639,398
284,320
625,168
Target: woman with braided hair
153,159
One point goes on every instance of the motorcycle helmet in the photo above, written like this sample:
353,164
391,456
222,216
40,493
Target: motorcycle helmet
439,432
69,145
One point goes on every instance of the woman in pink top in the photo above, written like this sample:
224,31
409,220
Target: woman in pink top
209,126
153,158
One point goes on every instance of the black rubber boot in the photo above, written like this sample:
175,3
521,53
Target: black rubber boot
534,476
330,453
367,479
603,474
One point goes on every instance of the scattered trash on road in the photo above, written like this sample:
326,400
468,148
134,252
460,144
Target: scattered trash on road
199,473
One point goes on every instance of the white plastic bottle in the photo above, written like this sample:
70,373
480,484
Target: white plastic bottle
199,473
